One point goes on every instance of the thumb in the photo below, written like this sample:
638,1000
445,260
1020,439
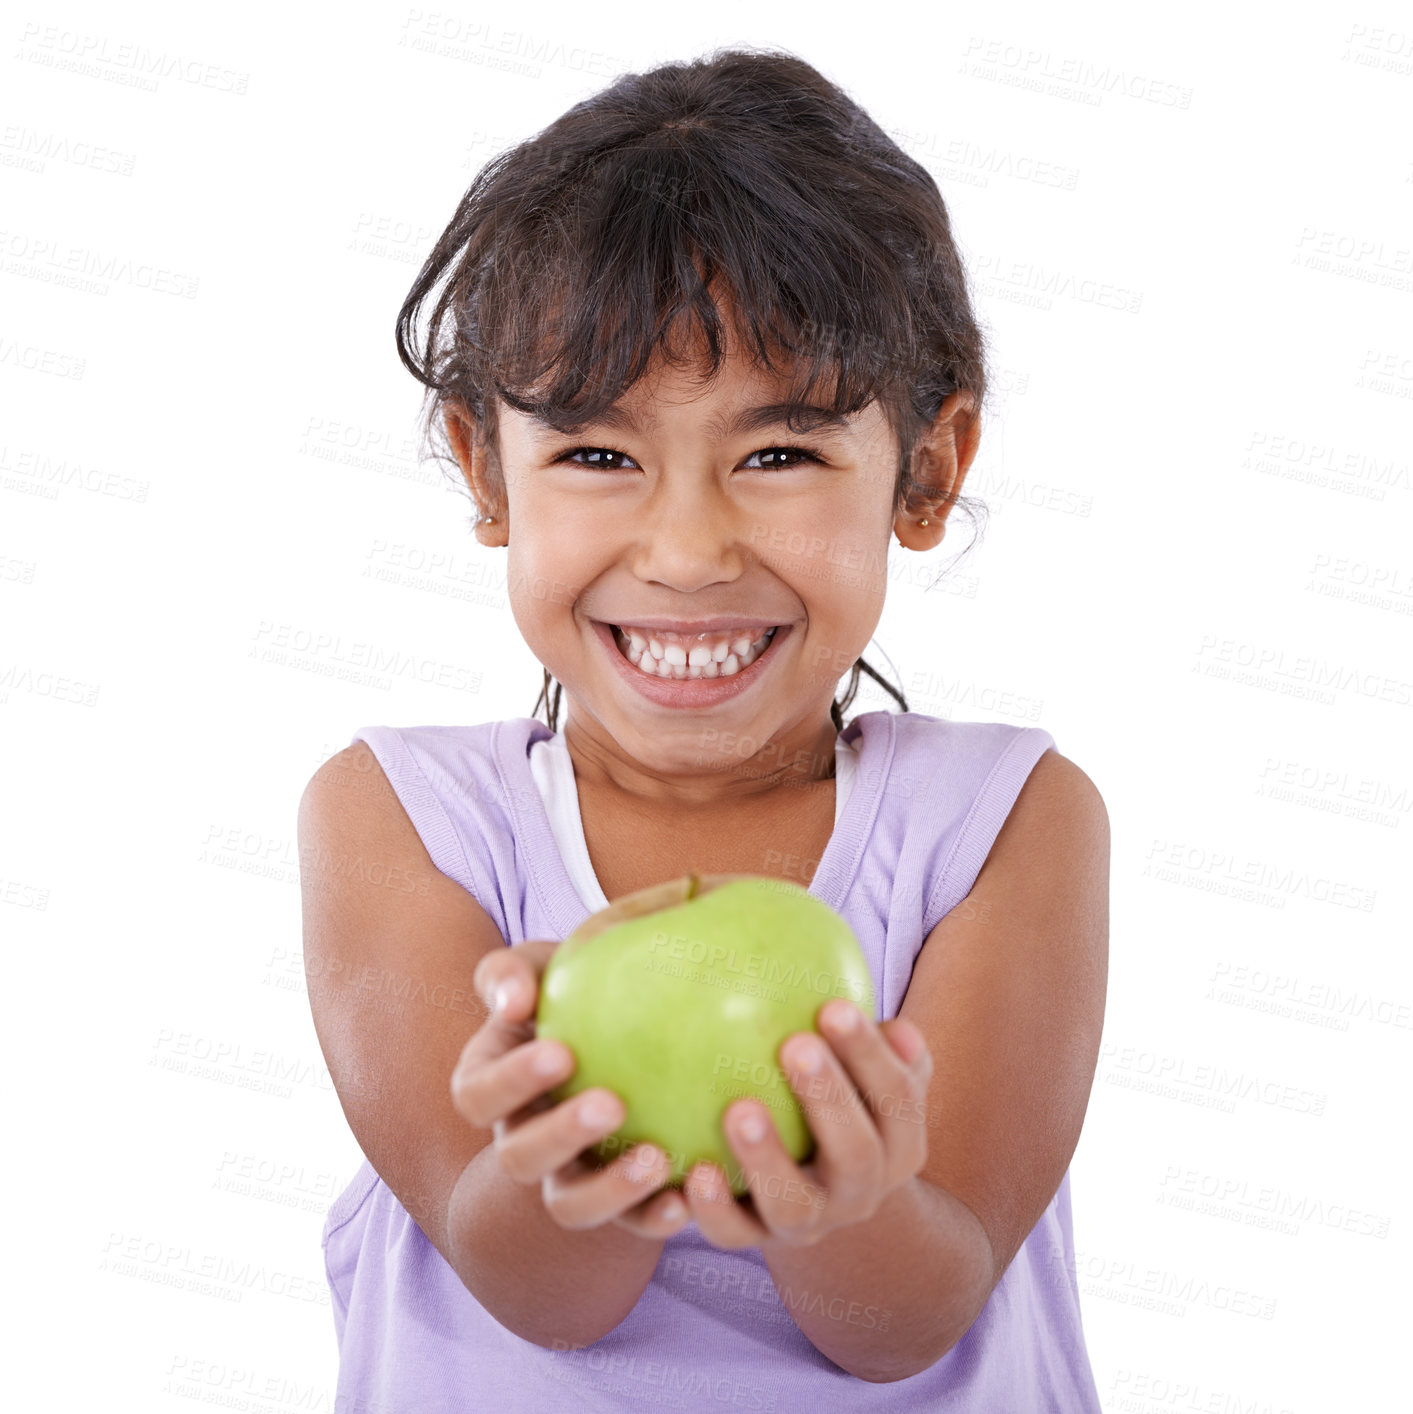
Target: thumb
507,979
909,1043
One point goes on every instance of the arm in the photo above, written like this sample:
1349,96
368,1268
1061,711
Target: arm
888,1298
392,1062
1008,995
555,1287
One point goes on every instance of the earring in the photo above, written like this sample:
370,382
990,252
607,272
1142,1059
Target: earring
922,522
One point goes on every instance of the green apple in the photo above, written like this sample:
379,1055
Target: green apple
677,998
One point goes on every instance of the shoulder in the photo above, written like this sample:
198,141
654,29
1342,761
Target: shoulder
359,761
1051,857
446,758
354,768
1019,761
466,791
966,747
1060,797
1055,834
351,786
1057,783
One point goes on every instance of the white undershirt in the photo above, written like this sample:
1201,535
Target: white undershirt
553,770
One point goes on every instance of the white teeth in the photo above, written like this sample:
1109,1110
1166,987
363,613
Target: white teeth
655,658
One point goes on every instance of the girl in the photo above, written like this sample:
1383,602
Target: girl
699,349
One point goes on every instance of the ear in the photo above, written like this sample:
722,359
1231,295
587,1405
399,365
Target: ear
940,465
470,456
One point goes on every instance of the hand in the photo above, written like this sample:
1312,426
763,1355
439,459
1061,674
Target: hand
496,1086
864,1148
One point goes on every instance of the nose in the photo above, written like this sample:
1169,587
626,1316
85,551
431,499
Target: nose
688,536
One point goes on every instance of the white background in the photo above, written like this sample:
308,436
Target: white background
1191,243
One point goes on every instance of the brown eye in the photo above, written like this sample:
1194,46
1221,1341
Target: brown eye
600,457
606,459
777,455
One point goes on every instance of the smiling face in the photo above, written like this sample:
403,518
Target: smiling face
694,502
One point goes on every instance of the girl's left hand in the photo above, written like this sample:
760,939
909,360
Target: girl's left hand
866,1145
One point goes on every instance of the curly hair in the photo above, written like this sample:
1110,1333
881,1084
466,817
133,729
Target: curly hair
570,259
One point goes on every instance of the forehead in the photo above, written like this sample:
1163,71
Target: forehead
738,400
649,419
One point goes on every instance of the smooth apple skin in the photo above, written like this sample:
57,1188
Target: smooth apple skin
682,1010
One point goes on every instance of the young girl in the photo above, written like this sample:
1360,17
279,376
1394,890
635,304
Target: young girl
700,349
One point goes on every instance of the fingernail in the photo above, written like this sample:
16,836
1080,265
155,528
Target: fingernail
504,995
645,1155
807,1056
548,1061
844,1018
708,1185
752,1127
597,1111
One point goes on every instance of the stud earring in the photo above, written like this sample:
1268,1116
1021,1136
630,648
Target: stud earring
922,522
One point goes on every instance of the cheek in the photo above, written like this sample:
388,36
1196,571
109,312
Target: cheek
539,584
843,585
811,537
845,572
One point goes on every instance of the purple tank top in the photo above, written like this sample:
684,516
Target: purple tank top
709,1331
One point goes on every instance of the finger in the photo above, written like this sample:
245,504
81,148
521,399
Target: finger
849,1149
659,1217
720,1218
910,1044
888,1069
485,1091
508,981
539,1146
786,1199
580,1197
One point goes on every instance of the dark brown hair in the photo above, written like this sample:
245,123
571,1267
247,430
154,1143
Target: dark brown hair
572,257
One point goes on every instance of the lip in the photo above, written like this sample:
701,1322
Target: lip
687,628
689,694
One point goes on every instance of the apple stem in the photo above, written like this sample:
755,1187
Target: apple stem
692,884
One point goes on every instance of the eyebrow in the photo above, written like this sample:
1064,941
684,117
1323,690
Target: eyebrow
747,420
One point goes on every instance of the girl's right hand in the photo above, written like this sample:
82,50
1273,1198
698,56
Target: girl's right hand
499,1085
